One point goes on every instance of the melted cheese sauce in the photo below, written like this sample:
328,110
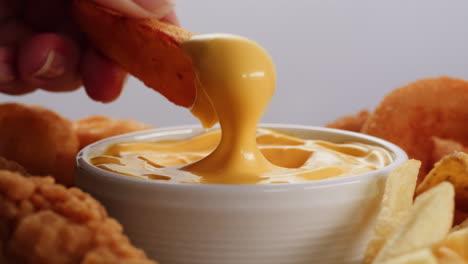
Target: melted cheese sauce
294,159
236,80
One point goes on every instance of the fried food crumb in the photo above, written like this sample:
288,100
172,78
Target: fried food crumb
43,222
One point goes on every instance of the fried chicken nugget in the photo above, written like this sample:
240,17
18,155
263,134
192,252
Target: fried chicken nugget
351,122
12,166
45,223
39,139
412,115
95,128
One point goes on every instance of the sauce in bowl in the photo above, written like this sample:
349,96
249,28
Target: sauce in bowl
235,82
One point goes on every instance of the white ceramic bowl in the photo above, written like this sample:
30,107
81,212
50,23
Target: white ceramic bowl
326,221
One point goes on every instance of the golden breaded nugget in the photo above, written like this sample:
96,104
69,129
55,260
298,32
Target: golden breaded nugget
39,139
412,115
12,166
45,223
351,122
95,128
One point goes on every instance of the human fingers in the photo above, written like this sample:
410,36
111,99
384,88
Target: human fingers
13,31
10,8
103,79
49,61
171,18
9,84
140,8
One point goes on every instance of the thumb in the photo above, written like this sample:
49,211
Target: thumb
141,8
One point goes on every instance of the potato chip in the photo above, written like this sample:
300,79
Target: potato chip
428,222
422,256
396,203
458,242
454,169
448,256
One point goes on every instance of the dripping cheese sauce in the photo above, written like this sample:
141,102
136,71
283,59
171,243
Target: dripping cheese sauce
235,82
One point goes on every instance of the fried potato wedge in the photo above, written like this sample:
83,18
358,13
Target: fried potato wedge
396,203
427,224
146,48
39,139
95,128
454,169
422,256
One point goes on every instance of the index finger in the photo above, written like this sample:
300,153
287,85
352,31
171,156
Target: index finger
140,8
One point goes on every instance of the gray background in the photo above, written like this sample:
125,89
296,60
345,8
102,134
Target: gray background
332,57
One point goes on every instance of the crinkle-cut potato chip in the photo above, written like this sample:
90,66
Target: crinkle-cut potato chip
396,203
454,169
448,256
39,139
422,256
428,222
146,48
444,147
351,122
95,128
410,116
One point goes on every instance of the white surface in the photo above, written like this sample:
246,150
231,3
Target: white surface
333,57
328,221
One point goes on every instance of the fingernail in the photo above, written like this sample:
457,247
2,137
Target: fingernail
7,73
53,66
158,9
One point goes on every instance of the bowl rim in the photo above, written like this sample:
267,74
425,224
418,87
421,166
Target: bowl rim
82,163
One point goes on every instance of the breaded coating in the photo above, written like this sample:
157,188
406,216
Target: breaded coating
39,139
10,165
412,115
45,223
95,128
351,122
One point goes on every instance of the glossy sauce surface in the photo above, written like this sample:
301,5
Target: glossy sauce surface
236,80
295,159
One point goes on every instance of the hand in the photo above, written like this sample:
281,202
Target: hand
41,47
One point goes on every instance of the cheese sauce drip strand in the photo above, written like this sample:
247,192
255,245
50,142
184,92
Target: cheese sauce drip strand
238,76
